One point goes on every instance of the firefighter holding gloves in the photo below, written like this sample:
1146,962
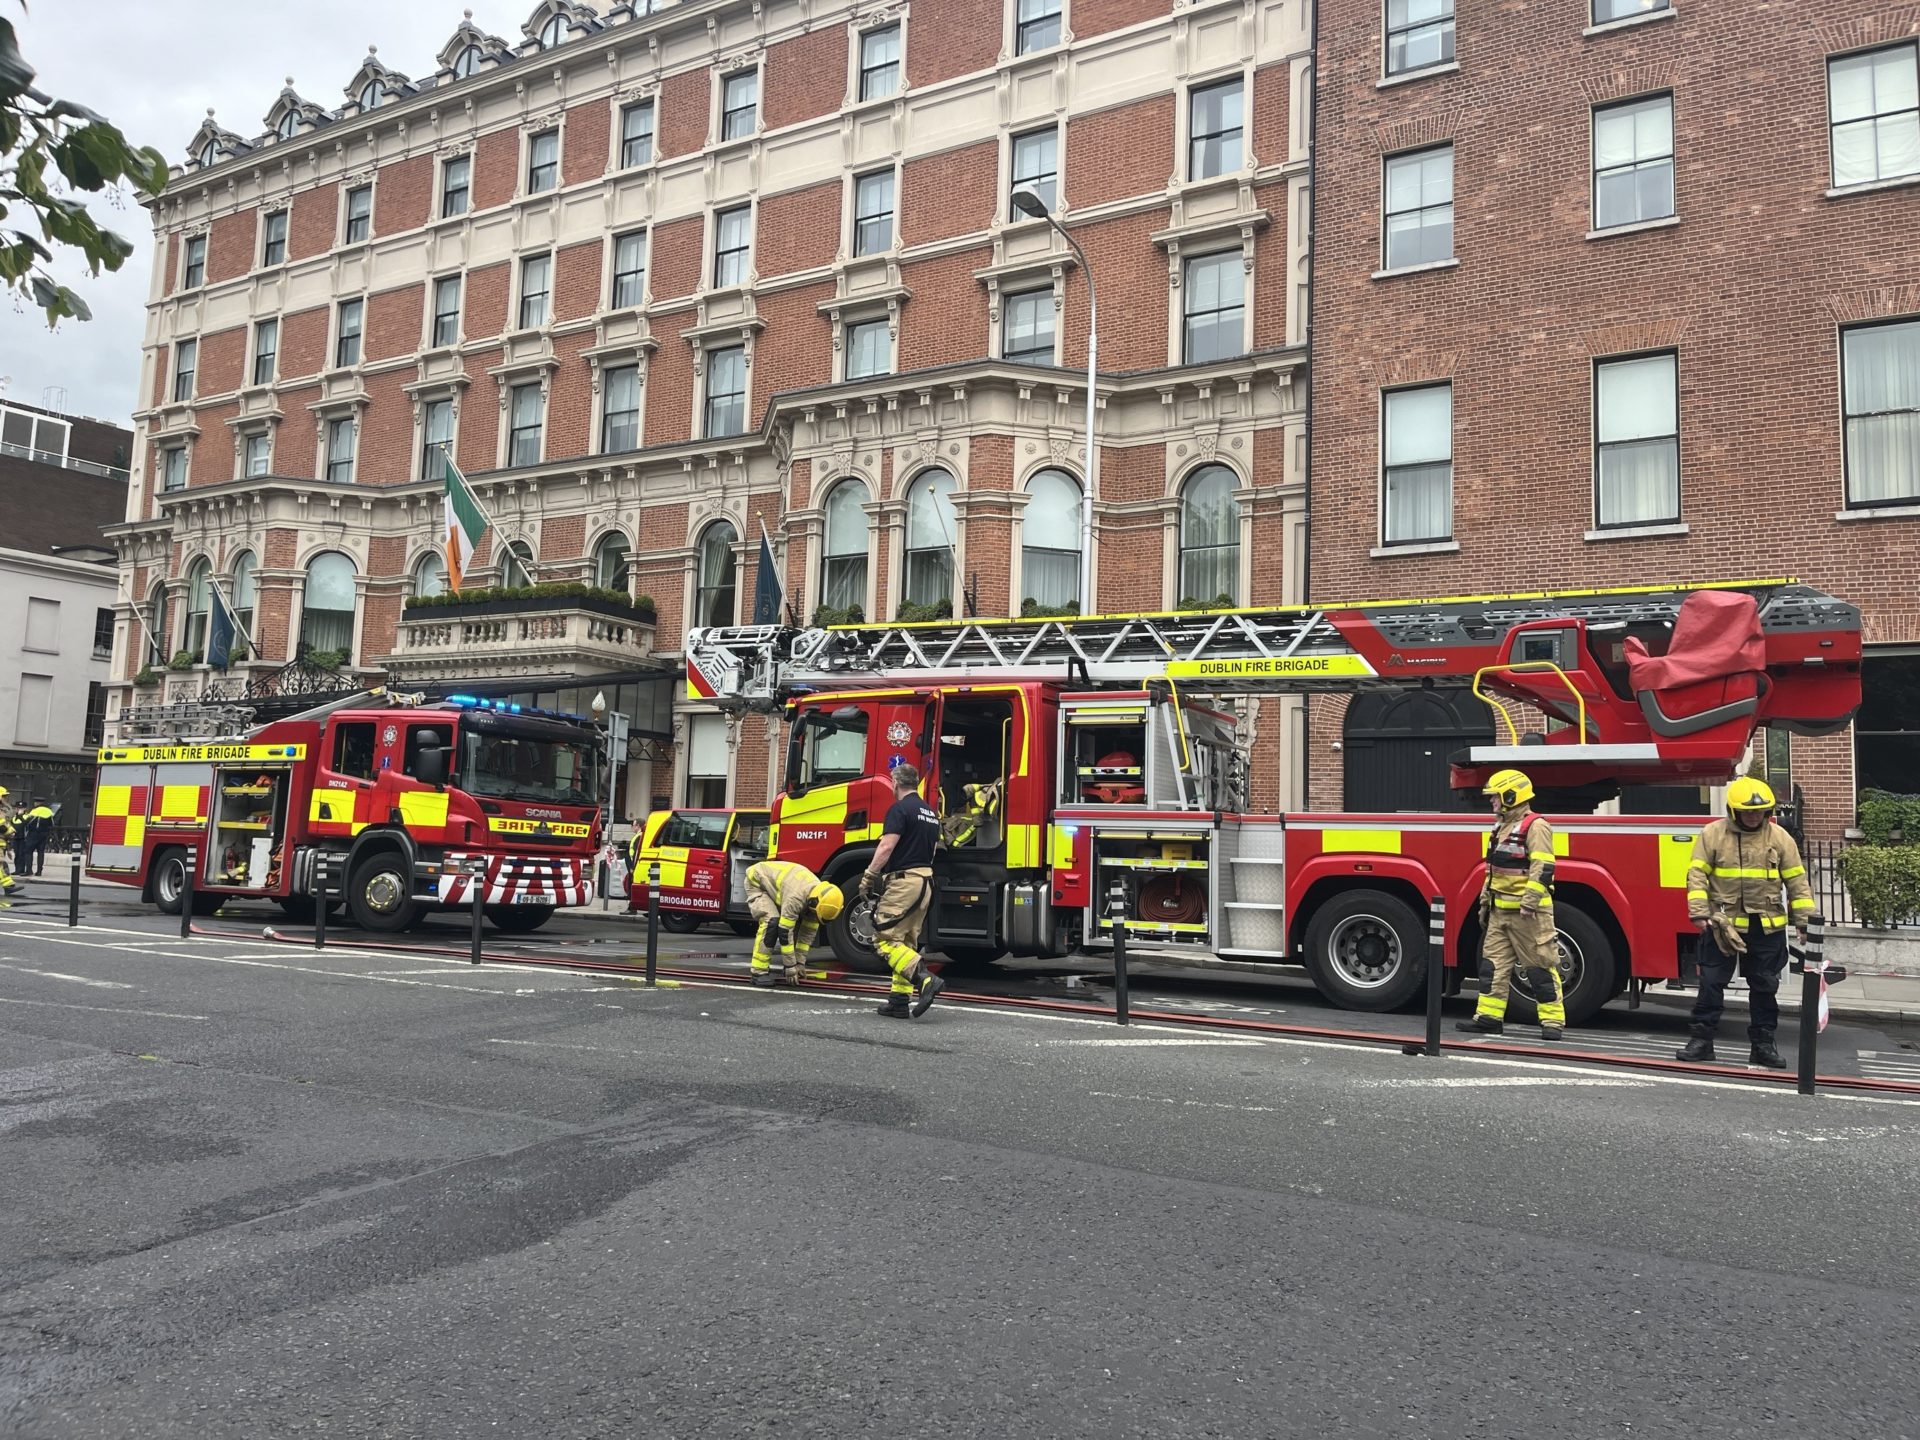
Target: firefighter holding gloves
1734,879
900,881
790,903
1516,911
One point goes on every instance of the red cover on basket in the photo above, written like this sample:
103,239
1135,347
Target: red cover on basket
1717,655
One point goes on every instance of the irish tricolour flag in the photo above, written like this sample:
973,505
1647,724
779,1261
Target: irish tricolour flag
466,523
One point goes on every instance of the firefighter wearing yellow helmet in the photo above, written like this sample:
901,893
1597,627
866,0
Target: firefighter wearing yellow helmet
790,903
1516,911
1739,868
8,888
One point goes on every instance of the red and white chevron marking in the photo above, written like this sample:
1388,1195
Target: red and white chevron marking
520,880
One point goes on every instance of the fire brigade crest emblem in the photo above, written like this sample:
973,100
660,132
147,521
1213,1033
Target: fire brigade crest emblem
899,732
390,734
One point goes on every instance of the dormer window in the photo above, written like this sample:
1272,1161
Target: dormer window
553,32
467,62
209,153
289,123
371,95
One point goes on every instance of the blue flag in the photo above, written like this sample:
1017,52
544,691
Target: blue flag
220,634
766,586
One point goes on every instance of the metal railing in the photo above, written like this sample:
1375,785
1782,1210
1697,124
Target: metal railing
1830,896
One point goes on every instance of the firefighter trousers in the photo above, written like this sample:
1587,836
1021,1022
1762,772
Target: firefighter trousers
1762,965
1524,938
791,945
898,917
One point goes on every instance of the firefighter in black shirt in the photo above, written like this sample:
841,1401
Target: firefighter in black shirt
900,879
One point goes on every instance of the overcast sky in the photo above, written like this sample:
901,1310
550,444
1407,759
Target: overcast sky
154,70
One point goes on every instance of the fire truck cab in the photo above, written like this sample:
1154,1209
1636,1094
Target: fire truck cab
404,806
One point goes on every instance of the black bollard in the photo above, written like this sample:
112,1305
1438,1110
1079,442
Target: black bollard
1810,970
478,873
1436,968
188,862
1117,906
322,875
73,893
653,921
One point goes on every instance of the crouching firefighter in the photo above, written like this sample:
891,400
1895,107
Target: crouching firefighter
900,882
790,903
1516,911
1734,880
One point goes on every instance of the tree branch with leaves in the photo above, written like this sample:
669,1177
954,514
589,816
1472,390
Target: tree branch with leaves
51,151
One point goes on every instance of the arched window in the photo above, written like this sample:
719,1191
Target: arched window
467,62
931,528
516,566
843,557
199,602
326,615
553,32
1050,542
156,628
209,153
716,600
245,593
1209,538
371,94
429,575
289,123
610,561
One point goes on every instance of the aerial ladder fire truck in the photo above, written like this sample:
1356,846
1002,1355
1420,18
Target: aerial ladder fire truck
1113,763
397,804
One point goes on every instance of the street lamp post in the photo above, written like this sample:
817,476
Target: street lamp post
1028,203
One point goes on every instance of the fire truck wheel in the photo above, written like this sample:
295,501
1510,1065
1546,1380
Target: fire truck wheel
852,938
678,922
1587,969
1366,950
169,879
380,894
519,919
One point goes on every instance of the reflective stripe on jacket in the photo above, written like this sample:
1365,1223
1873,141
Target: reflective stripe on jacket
1520,863
786,884
1741,872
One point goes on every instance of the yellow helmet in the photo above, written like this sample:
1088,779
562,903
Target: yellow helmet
1747,793
827,900
1511,787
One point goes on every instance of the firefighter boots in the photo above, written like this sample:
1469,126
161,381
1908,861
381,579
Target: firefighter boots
1551,1032
763,978
1762,1052
930,986
1481,1025
895,1008
1700,1047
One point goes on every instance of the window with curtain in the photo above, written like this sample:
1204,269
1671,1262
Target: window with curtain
199,604
931,531
1050,542
1873,112
1213,305
1026,327
873,212
1209,538
1605,10
843,563
526,424
245,591
706,762
620,410
456,185
157,637
1215,121
715,597
610,562
732,244
1036,25
257,453
739,104
173,468
446,310
536,285
880,62
543,161
1637,440
516,566
1416,452
869,349
343,442
266,351
636,134
430,575
1880,383
726,391
436,439
1036,167
1633,162
629,268
326,613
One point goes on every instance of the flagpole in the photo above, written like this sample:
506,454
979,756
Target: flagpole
233,615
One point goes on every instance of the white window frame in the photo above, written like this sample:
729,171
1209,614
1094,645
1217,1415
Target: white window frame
442,191
527,164
514,429
1050,299
264,440
1450,45
1238,266
723,112
268,239
427,442
357,304
713,246
185,374
1866,507
170,456
193,251
1912,47
1387,214
1635,165
707,431
866,324
644,238
329,461
1600,443
650,107
458,281
269,324
604,412
347,217
1017,26
521,292
1015,181
1189,139
1387,468
1643,9
898,29
855,242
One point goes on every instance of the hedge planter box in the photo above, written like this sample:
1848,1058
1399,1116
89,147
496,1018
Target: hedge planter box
527,605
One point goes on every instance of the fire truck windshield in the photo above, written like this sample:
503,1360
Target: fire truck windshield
527,767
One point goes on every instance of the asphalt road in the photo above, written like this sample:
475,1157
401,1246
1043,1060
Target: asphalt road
247,1190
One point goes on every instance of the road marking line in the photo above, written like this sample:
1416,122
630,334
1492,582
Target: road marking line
103,1009
60,975
1192,1104
1143,1040
1491,1082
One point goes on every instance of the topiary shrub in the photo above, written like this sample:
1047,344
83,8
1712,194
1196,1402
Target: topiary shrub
1032,609
910,613
824,615
1884,881
1889,819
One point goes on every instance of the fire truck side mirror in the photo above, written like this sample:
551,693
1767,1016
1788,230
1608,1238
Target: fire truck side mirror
430,765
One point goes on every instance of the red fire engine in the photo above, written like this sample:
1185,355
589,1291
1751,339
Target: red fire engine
410,804
1113,778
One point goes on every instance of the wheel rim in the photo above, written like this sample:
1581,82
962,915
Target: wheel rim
383,893
1572,965
170,881
1365,951
860,926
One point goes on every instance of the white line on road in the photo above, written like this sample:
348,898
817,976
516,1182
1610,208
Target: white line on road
1491,1082
60,975
103,1009
1127,1040
1188,1104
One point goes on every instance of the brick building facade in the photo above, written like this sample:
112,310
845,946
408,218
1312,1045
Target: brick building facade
659,280
1620,291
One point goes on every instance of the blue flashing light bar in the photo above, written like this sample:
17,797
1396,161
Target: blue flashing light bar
509,707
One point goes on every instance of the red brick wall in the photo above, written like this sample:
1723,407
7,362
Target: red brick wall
294,439
947,317
230,244
403,198
484,301
576,282
1130,267
1269,121
394,321
481,418
569,405
170,275
564,537
805,77
675,259
1096,17
385,454
587,142
303,343
669,397
496,168
313,223
221,362
953,193
952,37
795,350
680,117
1127,150
1748,288
798,229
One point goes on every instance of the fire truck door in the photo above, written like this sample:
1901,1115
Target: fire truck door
971,769
422,805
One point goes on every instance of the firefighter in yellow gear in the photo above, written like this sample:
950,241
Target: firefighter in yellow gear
7,883
899,880
1739,868
790,903
1516,911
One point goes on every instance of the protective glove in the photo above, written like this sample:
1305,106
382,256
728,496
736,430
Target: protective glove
1485,910
869,885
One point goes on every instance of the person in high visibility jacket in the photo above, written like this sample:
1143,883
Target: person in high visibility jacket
1516,911
1739,867
791,903
7,831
